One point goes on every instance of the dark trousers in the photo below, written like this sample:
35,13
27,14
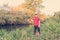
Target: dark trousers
36,28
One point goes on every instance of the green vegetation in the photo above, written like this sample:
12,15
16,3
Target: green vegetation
50,30
13,18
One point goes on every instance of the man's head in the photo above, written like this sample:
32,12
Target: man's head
36,14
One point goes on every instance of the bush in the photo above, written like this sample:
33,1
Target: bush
7,17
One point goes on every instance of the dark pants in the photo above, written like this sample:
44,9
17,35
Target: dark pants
36,28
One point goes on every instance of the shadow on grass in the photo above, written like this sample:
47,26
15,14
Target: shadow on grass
10,27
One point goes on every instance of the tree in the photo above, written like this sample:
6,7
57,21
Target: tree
36,4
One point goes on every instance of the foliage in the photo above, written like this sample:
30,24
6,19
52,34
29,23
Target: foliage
13,18
35,3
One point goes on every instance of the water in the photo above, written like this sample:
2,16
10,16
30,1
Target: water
13,26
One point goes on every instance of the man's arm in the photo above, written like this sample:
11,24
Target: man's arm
39,23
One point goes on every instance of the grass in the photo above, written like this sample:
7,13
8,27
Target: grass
49,31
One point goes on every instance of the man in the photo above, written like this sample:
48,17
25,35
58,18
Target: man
36,21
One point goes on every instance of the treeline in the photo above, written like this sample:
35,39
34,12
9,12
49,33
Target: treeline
55,17
7,17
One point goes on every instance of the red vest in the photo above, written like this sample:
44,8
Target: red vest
36,21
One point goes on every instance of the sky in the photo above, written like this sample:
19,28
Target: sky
51,6
11,3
